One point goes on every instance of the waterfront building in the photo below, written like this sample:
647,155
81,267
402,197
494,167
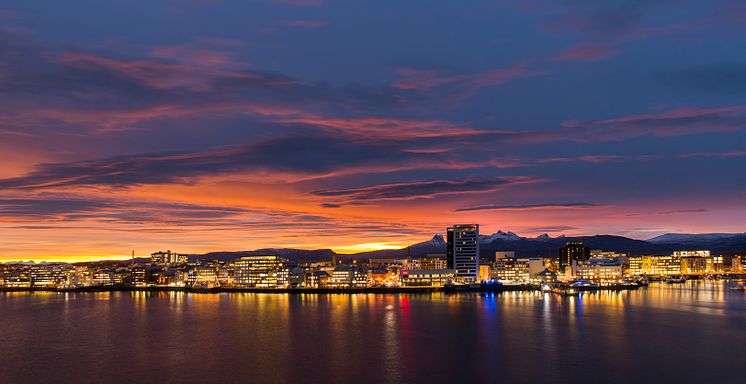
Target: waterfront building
694,265
226,273
161,277
181,277
679,262
655,265
572,251
317,279
462,252
349,276
639,265
79,276
267,271
737,264
296,277
382,277
427,277
138,278
17,281
511,270
601,271
535,265
485,272
551,264
203,276
103,277
121,276
665,265
547,276
50,275
715,264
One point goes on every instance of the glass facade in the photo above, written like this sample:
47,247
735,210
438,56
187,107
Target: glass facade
261,272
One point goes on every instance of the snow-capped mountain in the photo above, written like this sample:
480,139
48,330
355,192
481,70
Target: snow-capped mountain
499,235
436,241
510,236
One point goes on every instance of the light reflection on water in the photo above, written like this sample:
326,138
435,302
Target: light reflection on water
663,333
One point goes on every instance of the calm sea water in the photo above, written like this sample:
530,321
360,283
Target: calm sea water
692,333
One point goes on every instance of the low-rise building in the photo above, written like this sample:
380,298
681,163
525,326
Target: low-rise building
103,277
382,277
535,266
485,272
49,275
167,257
715,264
317,279
694,265
138,276
701,253
510,270
737,265
427,277
655,265
433,261
349,276
203,276
601,271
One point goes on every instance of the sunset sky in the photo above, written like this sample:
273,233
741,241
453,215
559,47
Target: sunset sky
208,125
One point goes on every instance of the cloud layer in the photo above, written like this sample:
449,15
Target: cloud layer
270,122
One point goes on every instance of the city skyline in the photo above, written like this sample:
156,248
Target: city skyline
223,125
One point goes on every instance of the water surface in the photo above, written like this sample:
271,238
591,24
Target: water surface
691,333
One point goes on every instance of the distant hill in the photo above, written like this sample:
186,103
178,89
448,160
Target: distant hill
540,246
716,242
296,255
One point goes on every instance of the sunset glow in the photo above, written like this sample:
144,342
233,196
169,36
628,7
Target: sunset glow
227,126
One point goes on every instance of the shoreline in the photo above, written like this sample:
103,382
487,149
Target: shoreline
370,290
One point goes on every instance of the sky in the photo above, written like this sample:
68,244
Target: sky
208,125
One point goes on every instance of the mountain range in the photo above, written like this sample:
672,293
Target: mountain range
540,246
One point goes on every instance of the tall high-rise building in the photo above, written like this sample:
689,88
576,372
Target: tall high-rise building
572,251
463,251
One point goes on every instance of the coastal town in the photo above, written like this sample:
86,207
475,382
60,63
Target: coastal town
576,267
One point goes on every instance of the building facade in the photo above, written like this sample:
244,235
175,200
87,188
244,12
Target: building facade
601,271
511,270
433,262
572,251
427,277
655,265
462,252
349,276
261,272
167,257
